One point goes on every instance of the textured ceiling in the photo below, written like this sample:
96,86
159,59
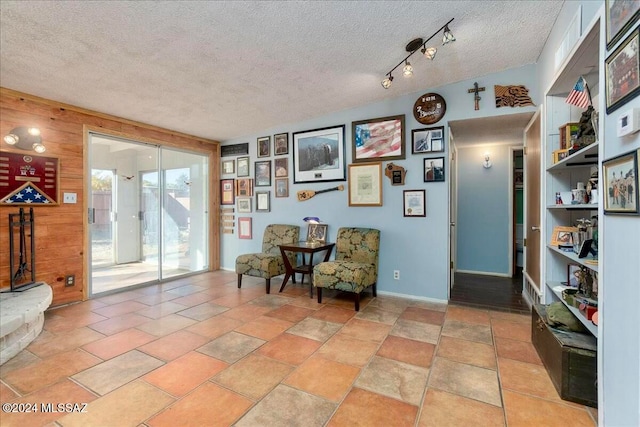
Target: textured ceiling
227,69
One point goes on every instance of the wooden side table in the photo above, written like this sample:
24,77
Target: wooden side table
306,267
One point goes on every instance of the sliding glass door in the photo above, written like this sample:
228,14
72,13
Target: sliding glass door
147,212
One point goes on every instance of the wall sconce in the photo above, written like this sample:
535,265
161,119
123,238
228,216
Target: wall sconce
413,46
487,161
25,138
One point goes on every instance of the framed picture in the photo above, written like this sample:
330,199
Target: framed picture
428,140
621,184
365,184
573,275
264,149
414,203
561,236
318,155
41,188
317,233
620,16
434,170
282,187
378,139
622,73
243,204
263,173
244,228
227,194
281,167
263,201
281,144
244,187
228,166
518,178
560,155
243,166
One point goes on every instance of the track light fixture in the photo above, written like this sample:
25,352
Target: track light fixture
25,138
413,46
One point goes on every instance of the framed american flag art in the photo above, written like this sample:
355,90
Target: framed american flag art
378,139
27,179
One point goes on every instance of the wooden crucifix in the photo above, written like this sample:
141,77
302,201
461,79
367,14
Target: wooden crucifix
476,97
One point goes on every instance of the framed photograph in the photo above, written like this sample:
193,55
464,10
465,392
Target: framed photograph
282,187
378,139
263,201
317,233
621,184
244,187
560,155
264,148
227,194
365,184
573,276
622,73
243,204
281,144
281,167
561,236
244,228
318,155
620,16
434,170
243,166
428,140
263,173
228,166
518,178
414,203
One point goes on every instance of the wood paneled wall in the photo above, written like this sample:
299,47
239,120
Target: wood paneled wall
61,232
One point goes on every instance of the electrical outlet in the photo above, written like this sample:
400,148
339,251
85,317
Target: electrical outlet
70,280
396,274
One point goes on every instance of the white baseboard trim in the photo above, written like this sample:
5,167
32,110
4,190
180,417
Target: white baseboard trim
484,273
414,297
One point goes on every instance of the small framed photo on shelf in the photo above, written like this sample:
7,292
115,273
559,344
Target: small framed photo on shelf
227,195
243,166
622,73
263,173
263,201
282,187
244,228
573,276
228,167
561,236
365,184
317,233
434,169
243,204
621,184
560,155
378,139
281,144
281,167
414,203
264,149
428,140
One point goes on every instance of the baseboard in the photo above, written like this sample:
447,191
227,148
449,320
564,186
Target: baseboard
483,273
413,297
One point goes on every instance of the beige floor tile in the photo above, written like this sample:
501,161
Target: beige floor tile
64,342
161,310
520,331
20,360
285,406
129,405
203,311
445,409
215,326
290,313
408,351
186,290
526,378
517,350
194,299
271,301
322,377
116,372
120,308
417,331
157,298
525,411
291,349
254,376
119,323
465,380
364,408
173,345
246,312
395,379
265,327
315,329
166,325
469,352
71,321
231,346
377,314
467,331
395,305
333,314
345,349
366,330
468,315
423,315
119,343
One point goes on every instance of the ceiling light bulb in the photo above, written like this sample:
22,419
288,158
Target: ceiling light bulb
386,83
407,71
429,52
39,148
11,139
33,131
447,36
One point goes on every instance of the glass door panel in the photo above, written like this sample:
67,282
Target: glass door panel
102,224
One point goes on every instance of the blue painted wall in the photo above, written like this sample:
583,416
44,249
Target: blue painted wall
418,247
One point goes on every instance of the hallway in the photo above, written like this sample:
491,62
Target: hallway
490,292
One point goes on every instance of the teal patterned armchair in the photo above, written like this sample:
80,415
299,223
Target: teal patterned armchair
268,263
355,267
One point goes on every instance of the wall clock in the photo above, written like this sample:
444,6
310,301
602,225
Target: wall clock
429,108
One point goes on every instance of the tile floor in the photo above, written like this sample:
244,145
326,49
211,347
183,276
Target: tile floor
200,352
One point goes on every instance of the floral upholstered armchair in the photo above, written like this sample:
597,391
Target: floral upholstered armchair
356,263
268,263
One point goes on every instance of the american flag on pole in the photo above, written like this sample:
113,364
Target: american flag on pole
580,95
